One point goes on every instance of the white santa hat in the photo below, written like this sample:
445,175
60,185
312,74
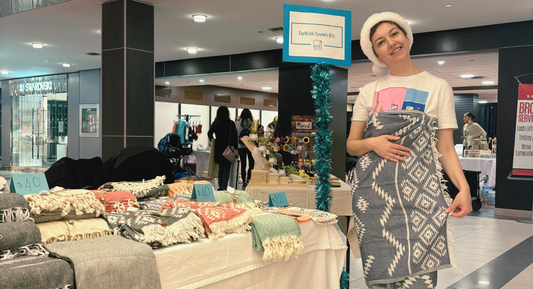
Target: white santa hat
380,68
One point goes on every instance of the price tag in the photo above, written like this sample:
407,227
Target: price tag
28,184
230,190
277,200
203,193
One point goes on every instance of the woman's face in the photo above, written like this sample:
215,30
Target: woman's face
390,44
466,118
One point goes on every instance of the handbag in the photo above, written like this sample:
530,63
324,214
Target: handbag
230,153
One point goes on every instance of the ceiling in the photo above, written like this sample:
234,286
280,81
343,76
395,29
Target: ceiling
70,30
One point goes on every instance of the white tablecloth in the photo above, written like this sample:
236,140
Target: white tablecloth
483,165
341,202
231,262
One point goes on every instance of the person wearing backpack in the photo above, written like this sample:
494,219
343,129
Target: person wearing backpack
244,127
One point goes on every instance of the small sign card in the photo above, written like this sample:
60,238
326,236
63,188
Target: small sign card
28,184
277,200
230,190
203,193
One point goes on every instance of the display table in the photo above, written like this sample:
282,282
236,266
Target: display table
231,262
484,165
341,202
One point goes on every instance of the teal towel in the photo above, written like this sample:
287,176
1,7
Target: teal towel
278,235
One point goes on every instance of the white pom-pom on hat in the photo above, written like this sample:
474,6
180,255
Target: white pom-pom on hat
366,45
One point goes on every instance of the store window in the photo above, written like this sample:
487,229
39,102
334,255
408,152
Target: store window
39,120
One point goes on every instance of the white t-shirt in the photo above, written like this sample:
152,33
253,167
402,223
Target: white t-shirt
422,91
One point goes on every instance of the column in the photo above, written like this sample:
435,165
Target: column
127,117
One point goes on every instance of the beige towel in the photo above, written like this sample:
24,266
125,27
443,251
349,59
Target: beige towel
354,242
72,230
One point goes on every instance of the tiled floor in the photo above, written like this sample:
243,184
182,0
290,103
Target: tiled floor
491,253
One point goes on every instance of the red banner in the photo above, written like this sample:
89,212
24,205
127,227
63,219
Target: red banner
523,152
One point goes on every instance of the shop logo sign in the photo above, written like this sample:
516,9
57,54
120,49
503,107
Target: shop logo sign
36,86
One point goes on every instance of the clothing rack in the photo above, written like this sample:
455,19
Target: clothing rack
187,118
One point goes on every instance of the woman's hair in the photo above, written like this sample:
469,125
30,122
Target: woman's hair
471,115
222,114
375,27
246,114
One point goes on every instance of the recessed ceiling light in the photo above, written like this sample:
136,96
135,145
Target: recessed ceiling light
37,45
467,75
4,72
448,5
239,77
487,82
441,62
167,83
360,88
66,64
266,88
484,282
192,50
201,80
46,61
279,39
482,101
199,18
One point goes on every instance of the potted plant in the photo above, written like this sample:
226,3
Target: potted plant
262,142
254,132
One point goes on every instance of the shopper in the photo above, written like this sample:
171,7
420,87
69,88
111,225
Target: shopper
244,128
226,134
403,193
271,127
472,130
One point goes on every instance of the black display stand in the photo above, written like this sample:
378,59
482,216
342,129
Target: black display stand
513,177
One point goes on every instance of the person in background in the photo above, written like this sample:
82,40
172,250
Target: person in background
271,127
244,127
472,130
386,40
226,134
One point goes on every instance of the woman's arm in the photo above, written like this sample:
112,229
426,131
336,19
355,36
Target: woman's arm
357,144
462,204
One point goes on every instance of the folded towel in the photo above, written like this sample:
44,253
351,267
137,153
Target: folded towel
35,272
13,208
150,188
116,201
221,219
28,250
67,204
278,235
73,230
183,187
109,262
158,229
18,234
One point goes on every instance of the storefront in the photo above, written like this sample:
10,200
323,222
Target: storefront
38,120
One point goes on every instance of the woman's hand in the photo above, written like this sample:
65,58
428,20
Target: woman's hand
461,206
383,146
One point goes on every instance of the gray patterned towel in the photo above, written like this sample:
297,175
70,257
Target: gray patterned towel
18,234
30,272
158,229
13,208
142,189
399,207
109,262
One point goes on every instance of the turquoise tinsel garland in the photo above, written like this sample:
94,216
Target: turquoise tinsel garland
322,80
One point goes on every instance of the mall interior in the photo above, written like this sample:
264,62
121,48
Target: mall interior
87,78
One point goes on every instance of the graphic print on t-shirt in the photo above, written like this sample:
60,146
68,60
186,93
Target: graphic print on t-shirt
394,98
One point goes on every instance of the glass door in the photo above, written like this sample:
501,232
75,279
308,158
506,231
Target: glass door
29,130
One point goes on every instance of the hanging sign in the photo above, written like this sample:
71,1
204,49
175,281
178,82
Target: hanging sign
203,193
523,143
314,35
28,184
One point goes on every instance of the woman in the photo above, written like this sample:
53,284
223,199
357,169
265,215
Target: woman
226,134
244,127
271,127
399,206
472,130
